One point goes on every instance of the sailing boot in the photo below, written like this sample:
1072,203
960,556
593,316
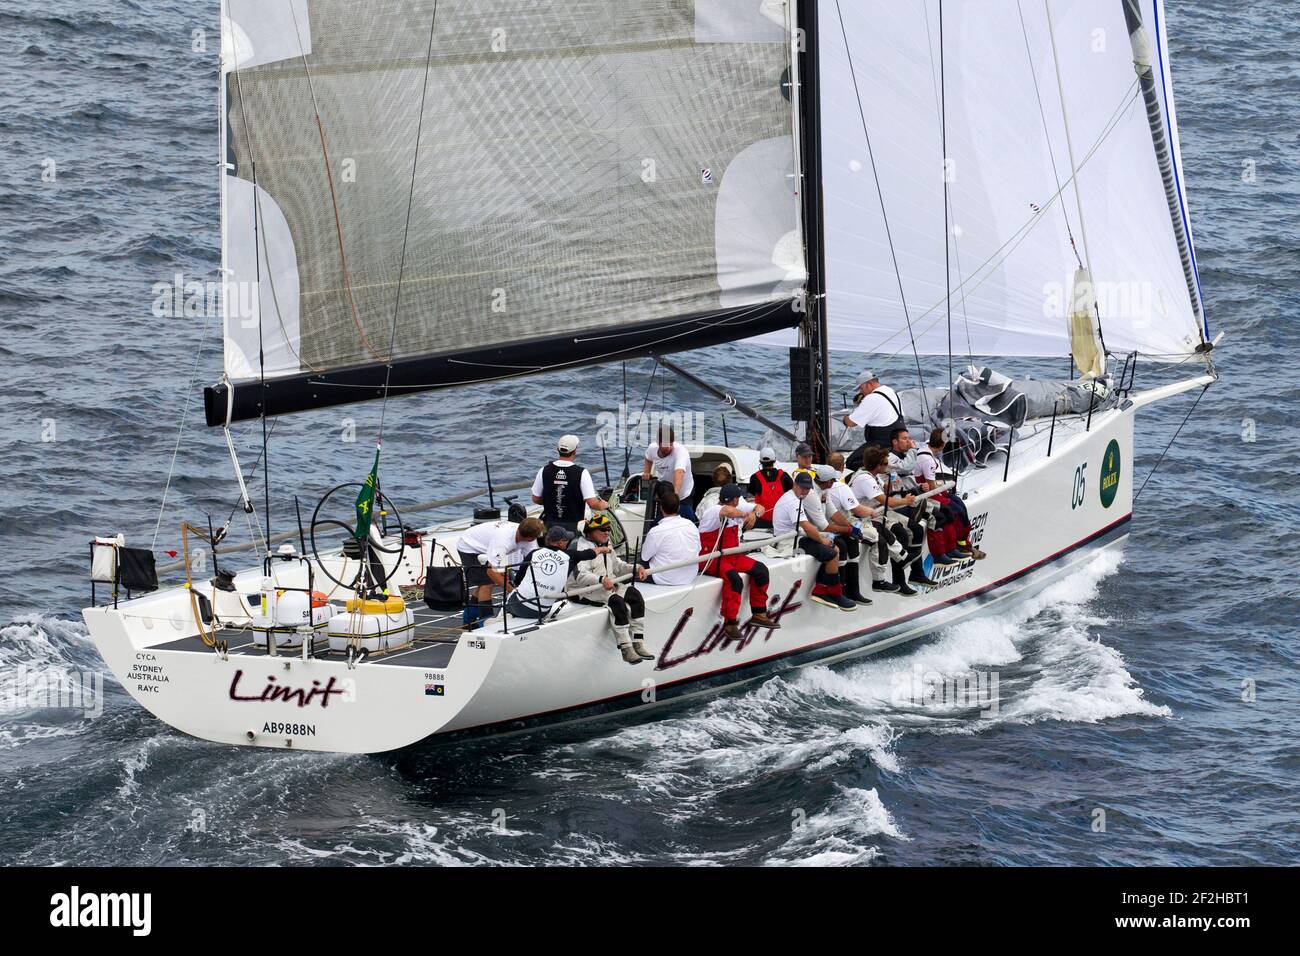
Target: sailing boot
624,639
900,581
732,630
918,575
638,639
760,618
852,585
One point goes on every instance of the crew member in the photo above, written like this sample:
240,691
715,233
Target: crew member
800,509
720,528
625,603
487,553
803,456
669,461
902,459
950,542
895,546
544,573
923,516
878,412
673,540
843,509
767,485
563,487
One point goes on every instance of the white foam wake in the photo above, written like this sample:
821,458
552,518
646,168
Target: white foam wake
826,719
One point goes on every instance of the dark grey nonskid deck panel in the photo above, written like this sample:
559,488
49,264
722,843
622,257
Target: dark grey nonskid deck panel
436,638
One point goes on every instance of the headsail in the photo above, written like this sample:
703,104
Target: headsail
593,180
1015,239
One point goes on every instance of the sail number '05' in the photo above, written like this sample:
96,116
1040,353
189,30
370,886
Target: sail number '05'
1080,486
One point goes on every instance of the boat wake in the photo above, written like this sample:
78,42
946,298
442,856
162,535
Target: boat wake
52,682
827,745
825,753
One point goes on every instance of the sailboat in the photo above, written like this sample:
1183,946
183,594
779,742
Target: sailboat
422,194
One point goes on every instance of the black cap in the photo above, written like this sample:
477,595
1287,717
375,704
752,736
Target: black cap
729,492
803,448
803,480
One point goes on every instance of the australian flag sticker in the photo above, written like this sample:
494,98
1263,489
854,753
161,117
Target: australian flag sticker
434,690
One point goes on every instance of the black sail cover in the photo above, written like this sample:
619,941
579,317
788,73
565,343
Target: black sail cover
592,180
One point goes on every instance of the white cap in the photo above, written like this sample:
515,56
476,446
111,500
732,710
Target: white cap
826,473
568,444
767,454
866,377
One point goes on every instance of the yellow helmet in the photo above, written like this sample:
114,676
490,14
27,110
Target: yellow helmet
598,522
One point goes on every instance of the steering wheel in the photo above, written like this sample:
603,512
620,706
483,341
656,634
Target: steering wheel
369,546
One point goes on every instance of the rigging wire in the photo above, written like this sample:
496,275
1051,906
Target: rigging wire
956,245
1177,432
329,175
986,269
1042,114
862,113
410,202
256,462
180,432
257,216
1069,145
261,374
627,450
261,350
943,140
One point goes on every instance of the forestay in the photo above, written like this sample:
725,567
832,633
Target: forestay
583,168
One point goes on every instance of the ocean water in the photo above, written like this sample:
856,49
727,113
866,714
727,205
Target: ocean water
1158,686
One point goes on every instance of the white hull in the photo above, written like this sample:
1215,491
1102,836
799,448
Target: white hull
1035,527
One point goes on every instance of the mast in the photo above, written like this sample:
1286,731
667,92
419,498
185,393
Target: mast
1161,136
814,333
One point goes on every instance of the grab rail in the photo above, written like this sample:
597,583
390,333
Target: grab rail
743,548
426,506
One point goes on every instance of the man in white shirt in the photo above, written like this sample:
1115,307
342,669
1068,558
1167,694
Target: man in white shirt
896,544
671,541
841,496
800,509
851,522
669,461
879,411
487,553
544,572
564,487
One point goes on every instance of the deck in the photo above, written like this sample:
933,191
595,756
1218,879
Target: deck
436,636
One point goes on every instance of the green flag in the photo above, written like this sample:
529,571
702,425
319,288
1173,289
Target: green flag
366,500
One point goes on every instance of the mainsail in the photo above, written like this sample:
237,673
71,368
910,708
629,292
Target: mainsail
583,180
432,192
1026,85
